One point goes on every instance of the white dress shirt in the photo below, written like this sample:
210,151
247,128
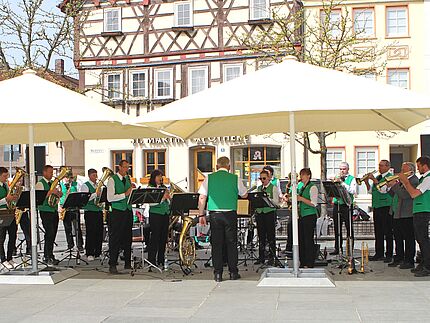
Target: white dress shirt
352,187
383,189
111,196
39,185
84,188
314,195
425,184
275,194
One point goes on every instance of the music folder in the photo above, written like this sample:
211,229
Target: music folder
184,202
24,199
260,199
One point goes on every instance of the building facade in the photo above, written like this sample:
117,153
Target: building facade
139,55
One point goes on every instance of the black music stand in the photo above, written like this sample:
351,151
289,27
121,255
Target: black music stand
138,197
6,217
75,201
181,205
260,200
336,190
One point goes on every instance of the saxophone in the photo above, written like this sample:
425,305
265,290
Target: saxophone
54,199
16,189
62,213
187,247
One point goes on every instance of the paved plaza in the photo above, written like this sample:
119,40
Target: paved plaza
381,295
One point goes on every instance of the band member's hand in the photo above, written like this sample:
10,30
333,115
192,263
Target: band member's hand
128,192
392,183
133,185
403,178
300,198
58,192
99,193
202,220
166,195
10,198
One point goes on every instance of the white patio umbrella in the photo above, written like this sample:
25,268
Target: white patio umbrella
36,110
291,96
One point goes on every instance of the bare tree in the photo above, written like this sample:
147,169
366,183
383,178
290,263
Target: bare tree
33,32
329,38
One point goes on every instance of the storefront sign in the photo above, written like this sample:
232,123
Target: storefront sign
194,141
97,151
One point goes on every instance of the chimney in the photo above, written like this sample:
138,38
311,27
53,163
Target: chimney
59,66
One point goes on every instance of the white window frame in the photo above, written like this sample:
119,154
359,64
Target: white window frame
369,168
227,66
130,82
397,80
176,13
120,92
253,7
156,72
334,32
362,33
190,81
397,34
105,19
336,162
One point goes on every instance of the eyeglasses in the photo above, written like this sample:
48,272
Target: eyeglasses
263,178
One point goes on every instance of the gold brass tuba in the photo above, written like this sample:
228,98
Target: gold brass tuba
365,177
16,189
107,173
187,246
54,199
390,179
173,190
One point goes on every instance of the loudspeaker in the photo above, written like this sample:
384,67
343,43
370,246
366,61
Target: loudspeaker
425,145
39,159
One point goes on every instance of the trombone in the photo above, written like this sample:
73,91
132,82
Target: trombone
365,177
391,178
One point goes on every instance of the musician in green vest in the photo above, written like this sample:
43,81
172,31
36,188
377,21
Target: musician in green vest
49,214
72,218
119,188
308,201
93,218
11,229
382,219
421,213
273,180
341,212
221,190
266,218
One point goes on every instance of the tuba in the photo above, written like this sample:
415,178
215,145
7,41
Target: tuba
16,189
107,173
187,246
54,199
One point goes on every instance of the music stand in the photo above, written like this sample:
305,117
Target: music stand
75,201
139,196
181,204
6,217
261,200
336,190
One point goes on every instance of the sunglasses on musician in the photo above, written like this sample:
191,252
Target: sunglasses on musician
263,178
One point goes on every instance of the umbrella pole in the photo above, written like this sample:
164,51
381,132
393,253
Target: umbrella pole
294,196
33,211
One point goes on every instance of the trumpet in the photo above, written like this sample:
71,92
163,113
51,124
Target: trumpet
390,179
365,177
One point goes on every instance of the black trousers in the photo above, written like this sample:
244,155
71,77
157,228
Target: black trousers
72,228
224,231
159,226
94,230
343,216
404,237
120,235
11,230
307,226
421,228
50,225
25,227
266,234
289,246
383,224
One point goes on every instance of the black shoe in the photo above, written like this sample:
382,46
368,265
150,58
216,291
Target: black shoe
376,258
393,263
406,265
271,262
54,261
387,260
334,252
234,276
127,266
218,278
113,270
417,268
259,262
422,273
81,249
